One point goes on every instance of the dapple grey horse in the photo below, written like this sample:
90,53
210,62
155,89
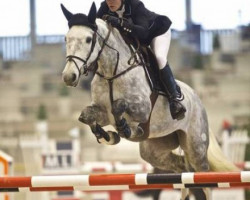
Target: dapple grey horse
122,97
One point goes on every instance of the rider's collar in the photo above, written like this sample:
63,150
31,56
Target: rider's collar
121,11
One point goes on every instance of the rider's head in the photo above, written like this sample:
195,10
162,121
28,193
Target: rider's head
114,5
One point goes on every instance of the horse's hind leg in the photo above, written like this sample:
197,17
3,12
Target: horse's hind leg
95,116
184,194
196,155
195,144
158,152
198,193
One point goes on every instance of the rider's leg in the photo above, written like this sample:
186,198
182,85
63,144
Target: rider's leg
175,97
160,46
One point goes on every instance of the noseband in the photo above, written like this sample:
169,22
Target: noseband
72,57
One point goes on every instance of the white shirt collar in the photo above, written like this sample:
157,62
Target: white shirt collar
120,12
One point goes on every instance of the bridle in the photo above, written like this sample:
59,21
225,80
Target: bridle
84,61
115,75
87,69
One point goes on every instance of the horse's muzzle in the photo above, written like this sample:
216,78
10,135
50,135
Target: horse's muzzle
70,79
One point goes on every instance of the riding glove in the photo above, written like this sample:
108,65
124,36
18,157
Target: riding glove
138,31
114,21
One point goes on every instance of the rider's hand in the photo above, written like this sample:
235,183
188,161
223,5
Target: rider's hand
127,26
114,21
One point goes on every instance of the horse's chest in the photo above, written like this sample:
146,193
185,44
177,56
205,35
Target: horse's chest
101,94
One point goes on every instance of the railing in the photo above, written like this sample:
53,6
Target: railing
18,48
234,144
229,40
50,39
201,41
15,48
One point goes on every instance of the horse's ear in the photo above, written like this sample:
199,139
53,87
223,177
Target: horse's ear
92,14
66,13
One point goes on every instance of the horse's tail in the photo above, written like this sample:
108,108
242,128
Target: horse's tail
217,160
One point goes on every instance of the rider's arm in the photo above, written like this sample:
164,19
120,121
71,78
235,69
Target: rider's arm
128,26
136,30
140,26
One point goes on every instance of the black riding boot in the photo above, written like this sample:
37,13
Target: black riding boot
173,91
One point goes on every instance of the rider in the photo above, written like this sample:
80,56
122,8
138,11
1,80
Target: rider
151,29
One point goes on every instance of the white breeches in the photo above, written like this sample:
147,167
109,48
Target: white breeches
160,46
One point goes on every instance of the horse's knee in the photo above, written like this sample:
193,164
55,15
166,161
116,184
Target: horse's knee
89,115
119,106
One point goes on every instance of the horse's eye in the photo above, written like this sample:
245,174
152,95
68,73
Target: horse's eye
88,39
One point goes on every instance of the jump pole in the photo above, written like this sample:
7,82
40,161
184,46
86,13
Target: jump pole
127,181
127,187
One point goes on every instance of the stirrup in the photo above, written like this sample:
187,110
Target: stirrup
179,96
177,115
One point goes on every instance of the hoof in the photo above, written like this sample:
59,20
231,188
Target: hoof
139,131
125,133
80,118
123,128
115,137
101,133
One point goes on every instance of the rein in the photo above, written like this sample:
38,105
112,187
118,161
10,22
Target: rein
85,68
115,75
111,81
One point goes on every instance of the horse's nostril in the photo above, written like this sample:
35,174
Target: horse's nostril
73,77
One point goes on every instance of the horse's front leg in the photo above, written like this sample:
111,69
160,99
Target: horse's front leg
95,116
138,112
120,106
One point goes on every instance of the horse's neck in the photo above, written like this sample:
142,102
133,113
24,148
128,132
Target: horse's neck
109,56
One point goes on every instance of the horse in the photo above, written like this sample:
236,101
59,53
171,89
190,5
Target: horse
122,97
